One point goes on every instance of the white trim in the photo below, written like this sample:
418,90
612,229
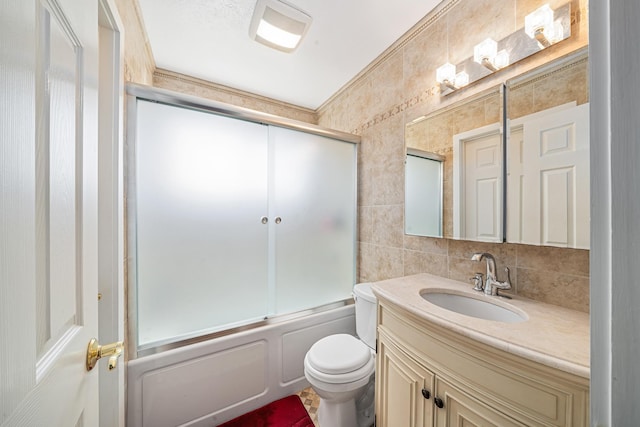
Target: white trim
111,204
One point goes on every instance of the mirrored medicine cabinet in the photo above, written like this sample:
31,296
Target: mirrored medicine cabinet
514,161
468,131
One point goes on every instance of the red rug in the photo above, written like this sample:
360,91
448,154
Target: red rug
286,412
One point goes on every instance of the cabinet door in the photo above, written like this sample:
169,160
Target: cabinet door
312,211
399,390
461,410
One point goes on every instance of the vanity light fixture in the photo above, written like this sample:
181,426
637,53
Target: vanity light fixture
278,25
447,77
486,54
540,25
542,28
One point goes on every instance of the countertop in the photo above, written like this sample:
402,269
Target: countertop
552,335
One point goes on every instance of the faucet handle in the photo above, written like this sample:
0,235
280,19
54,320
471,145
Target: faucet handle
507,283
477,282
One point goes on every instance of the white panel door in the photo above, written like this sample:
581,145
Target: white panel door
48,211
555,179
481,192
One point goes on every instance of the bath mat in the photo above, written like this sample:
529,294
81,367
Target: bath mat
286,412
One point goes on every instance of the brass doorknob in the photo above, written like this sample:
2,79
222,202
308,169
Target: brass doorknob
95,352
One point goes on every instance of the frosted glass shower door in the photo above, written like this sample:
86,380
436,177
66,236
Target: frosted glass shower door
201,183
313,193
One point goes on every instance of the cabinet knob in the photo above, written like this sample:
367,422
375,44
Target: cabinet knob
439,402
426,393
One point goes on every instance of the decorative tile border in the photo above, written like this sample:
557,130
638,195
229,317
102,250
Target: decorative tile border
397,109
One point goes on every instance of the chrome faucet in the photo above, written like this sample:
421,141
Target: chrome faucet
491,283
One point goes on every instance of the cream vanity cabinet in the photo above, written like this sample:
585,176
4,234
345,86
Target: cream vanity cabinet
430,376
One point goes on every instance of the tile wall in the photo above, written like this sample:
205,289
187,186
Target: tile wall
399,87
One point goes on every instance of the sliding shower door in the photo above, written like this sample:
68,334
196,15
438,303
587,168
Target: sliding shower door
312,198
233,221
201,246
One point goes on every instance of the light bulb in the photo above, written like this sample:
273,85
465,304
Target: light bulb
486,50
446,73
461,80
502,59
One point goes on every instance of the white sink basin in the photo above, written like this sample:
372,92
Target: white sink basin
480,307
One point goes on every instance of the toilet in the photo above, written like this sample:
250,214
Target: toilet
341,368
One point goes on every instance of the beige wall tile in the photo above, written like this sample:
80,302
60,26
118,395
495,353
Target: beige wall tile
423,55
382,149
431,245
387,225
386,84
520,102
379,263
421,262
365,224
554,288
561,260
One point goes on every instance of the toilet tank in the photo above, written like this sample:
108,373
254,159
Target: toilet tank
365,313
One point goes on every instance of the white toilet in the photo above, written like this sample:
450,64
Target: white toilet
340,368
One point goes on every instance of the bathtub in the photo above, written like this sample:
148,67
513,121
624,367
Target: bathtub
213,381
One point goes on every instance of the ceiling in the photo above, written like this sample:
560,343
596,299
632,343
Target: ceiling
209,39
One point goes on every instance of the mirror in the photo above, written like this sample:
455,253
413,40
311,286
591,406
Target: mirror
467,136
548,155
545,178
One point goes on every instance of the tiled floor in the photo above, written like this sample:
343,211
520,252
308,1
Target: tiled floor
311,402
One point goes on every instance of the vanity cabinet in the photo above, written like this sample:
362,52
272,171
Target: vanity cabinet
430,376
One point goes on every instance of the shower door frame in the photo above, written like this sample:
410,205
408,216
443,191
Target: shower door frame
137,92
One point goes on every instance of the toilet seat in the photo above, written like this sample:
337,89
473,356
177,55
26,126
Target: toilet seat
340,359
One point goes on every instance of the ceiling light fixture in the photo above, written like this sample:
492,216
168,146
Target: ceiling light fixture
278,25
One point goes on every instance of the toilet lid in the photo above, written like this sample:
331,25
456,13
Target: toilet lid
338,354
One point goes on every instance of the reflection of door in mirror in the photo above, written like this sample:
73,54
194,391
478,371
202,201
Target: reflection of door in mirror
423,194
550,190
548,155
477,184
